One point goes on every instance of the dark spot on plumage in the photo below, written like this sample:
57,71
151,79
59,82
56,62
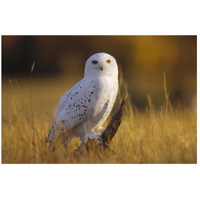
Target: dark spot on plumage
89,100
78,106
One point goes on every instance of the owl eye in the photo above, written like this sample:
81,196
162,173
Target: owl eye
95,62
108,61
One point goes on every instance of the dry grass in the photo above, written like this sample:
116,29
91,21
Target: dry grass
168,135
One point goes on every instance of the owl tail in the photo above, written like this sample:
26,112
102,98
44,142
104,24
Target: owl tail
54,133
49,138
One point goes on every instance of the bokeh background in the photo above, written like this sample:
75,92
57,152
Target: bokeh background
59,64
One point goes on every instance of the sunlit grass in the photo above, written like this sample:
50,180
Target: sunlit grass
165,135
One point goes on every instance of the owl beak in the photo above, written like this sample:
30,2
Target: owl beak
101,67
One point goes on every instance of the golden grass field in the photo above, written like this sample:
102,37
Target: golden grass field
165,135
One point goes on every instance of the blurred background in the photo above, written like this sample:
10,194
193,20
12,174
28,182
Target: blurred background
60,60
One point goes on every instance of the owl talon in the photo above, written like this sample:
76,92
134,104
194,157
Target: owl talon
100,130
95,137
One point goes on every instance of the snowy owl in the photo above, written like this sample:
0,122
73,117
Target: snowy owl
82,111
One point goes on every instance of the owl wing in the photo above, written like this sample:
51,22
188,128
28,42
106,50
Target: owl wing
77,104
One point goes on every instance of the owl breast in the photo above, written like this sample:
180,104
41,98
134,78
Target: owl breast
107,88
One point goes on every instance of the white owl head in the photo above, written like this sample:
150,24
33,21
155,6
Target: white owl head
101,64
